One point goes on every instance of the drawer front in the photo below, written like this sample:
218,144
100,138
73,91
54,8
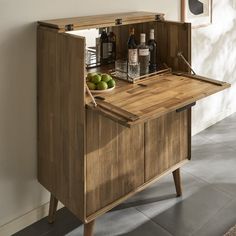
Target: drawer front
114,160
167,142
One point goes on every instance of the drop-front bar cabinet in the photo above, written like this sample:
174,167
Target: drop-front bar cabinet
92,159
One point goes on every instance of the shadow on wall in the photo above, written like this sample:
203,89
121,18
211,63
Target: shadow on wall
18,122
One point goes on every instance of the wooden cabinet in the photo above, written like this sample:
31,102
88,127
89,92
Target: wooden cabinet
92,159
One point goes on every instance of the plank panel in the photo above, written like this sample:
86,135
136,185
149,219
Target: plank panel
166,142
115,161
61,117
105,20
174,37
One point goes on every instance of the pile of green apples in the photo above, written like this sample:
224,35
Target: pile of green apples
97,81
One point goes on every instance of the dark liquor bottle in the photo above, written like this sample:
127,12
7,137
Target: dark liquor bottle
143,55
111,45
104,47
132,48
153,52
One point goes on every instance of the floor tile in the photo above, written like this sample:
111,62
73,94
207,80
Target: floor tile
223,132
28,231
219,224
64,223
215,164
128,222
199,203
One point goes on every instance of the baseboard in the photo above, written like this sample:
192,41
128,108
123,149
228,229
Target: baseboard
25,220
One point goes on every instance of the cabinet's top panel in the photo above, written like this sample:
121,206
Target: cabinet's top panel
86,22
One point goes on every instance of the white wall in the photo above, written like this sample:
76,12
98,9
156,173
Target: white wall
214,55
19,190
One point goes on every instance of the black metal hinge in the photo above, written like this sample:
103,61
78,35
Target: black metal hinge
159,17
118,21
69,27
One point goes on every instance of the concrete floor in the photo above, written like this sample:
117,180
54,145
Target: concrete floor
207,207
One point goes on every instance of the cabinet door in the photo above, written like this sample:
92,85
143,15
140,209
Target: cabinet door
172,38
167,142
114,161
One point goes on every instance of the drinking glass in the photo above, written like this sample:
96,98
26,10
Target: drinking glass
121,69
133,70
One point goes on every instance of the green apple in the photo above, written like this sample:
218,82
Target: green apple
91,85
102,85
106,77
90,75
96,79
111,83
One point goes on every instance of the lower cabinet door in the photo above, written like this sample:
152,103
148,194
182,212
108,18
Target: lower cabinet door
114,160
167,142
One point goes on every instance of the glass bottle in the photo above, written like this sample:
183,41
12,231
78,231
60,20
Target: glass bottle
104,47
153,52
143,55
111,45
132,48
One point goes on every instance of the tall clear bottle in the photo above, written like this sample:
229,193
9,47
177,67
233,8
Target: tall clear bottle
143,55
132,48
153,52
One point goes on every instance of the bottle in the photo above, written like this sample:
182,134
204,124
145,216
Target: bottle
143,55
153,52
98,50
111,45
104,47
132,48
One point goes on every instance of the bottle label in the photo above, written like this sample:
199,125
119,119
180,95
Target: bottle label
133,56
109,47
105,52
144,52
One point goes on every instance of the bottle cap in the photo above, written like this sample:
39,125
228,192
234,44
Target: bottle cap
151,34
142,38
132,31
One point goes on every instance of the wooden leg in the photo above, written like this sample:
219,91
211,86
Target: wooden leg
88,228
177,180
52,209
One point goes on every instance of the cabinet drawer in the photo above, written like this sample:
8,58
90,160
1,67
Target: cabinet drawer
167,142
114,160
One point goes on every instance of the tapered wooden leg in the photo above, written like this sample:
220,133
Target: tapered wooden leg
88,228
52,209
177,180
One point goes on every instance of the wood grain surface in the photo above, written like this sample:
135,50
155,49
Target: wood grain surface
157,96
97,21
166,142
61,117
114,160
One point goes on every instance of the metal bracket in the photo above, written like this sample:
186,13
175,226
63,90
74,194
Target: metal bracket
179,54
118,21
91,96
69,27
